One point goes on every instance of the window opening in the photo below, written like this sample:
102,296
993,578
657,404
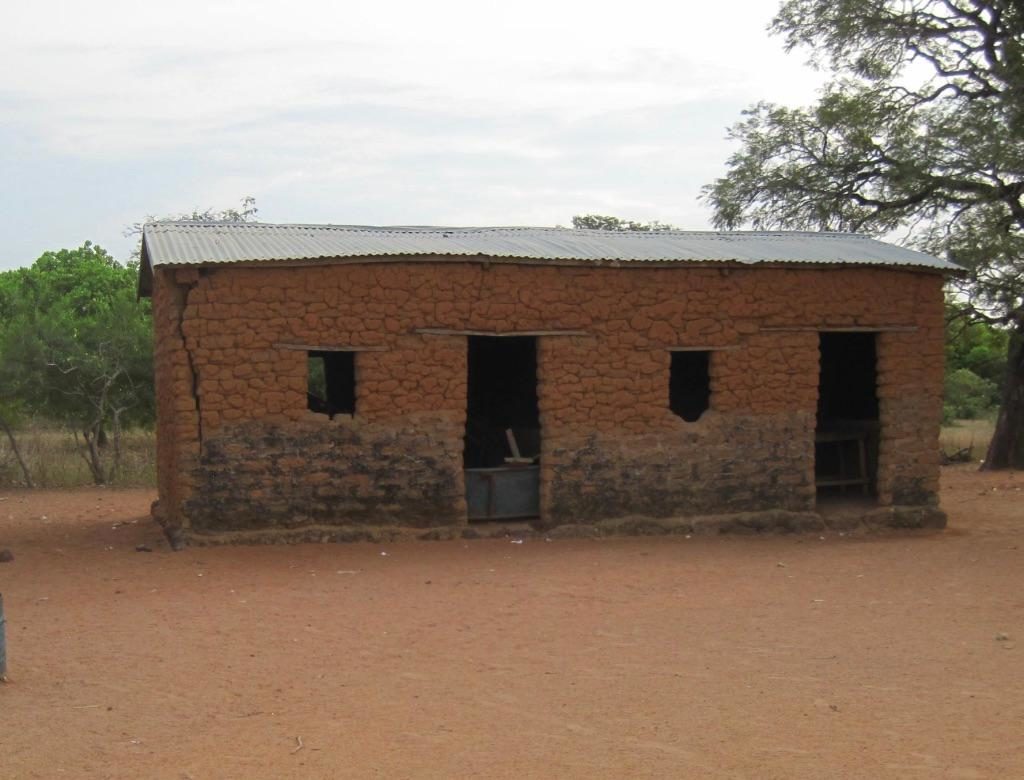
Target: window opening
689,384
331,383
847,432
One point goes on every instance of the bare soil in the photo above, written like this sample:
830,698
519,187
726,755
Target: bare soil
885,656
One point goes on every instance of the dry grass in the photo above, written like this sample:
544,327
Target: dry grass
962,434
55,461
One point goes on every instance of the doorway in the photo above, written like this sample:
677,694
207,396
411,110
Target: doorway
847,430
502,443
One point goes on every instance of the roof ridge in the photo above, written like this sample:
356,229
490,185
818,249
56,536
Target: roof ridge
427,229
205,243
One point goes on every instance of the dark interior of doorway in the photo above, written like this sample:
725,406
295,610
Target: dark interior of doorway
847,433
501,395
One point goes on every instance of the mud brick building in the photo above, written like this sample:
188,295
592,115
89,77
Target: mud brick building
328,382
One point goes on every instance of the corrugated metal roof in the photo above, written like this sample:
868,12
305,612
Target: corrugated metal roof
201,243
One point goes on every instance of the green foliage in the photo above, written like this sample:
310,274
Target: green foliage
976,346
316,378
86,280
76,346
603,222
968,396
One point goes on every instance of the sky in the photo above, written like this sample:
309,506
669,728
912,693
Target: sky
374,113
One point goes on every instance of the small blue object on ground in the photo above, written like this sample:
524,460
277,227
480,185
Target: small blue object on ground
3,641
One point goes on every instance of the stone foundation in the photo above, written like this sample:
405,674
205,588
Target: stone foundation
720,464
742,523
324,472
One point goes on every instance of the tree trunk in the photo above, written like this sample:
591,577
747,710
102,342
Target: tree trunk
95,460
1007,448
17,452
90,452
115,466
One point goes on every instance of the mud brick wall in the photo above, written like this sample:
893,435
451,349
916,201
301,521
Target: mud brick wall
910,377
177,417
239,450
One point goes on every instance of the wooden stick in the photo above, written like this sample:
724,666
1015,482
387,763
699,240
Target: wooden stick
846,329
328,348
513,444
500,335
704,349
299,746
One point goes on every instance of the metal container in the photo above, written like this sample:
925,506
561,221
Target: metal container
503,493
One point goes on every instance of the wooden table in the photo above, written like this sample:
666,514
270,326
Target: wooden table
844,478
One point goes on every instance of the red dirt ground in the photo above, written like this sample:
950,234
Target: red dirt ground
778,657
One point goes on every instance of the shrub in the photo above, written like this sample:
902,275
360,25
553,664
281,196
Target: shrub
968,396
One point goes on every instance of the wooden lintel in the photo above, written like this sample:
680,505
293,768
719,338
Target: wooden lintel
329,348
704,349
843,329
498,334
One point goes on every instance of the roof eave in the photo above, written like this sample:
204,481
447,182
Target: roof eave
533,261
145,288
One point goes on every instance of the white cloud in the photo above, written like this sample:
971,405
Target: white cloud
542,109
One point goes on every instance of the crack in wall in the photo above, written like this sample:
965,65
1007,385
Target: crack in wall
184,290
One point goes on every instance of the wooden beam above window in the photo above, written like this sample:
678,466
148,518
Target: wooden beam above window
498,334
842,329
330,348
704,349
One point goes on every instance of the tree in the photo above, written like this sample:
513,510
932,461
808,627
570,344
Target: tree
246,213
76,347
921,130
11,410
10,416
976,346
602,222
975,366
